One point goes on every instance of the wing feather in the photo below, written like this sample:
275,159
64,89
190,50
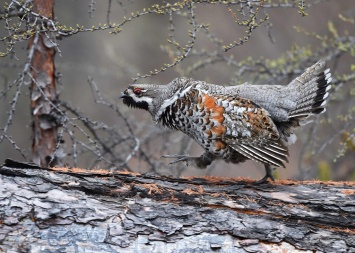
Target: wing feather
263,153
253,133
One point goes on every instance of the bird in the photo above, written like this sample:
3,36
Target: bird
235,123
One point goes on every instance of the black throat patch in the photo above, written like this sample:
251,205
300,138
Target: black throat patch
127,100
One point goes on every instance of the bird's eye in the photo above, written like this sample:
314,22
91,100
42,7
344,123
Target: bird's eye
137,91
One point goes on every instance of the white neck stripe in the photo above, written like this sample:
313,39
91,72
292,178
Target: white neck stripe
169,101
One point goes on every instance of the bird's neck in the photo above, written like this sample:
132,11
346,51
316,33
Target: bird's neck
168,117
166,104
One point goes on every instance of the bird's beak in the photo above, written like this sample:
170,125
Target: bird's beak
124,94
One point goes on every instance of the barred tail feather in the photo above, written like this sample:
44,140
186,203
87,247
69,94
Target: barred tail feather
313,89
309,92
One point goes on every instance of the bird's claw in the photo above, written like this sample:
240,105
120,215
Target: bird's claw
179,158
268,170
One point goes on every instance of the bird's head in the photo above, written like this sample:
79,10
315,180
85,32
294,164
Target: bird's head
152,97
139,96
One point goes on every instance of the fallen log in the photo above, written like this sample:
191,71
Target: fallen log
77,210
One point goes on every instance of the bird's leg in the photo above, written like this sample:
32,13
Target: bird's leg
199,161
180,158
268,170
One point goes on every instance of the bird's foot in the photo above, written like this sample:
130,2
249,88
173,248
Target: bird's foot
268,170
180,158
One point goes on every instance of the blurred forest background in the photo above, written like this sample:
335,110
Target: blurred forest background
102,46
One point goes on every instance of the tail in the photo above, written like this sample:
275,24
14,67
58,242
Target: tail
311,91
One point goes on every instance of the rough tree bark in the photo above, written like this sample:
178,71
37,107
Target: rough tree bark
43,89
75,210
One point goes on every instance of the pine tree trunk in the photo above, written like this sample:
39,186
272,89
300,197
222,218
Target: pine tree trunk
43,89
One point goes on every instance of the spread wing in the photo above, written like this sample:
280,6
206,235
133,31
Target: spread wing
251,131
